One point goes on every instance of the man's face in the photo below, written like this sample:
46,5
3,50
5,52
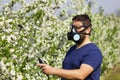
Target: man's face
78,26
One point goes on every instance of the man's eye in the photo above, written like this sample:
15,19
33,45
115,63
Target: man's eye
78,27
73,30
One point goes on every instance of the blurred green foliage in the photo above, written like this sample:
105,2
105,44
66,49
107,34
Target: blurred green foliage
34,30
113,73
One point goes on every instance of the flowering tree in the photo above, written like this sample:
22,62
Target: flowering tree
38,29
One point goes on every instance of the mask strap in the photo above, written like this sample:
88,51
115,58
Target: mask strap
86,27
86,33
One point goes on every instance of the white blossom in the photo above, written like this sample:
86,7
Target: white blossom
19,77
12,50
12,72
3,37
7,30
27,76
9,20
14,56
27,66
1,23
2,66
8,39
13,36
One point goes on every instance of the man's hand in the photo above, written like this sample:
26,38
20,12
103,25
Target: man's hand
47,69
79,74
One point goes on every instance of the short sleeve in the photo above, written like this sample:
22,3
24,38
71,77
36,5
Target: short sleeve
93,58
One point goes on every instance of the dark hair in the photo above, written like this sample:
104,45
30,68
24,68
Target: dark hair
84,18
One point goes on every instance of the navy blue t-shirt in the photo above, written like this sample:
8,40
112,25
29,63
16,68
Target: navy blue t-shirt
88,54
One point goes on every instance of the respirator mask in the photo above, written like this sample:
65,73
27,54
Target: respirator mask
77,37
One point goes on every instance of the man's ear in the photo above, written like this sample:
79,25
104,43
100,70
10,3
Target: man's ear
88,30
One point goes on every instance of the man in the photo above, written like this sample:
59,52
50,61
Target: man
83,60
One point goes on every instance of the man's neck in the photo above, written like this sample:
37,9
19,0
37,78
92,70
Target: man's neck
86,41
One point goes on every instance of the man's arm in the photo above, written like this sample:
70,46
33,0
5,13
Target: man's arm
80,74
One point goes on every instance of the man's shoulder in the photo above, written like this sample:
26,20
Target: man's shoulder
92,46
